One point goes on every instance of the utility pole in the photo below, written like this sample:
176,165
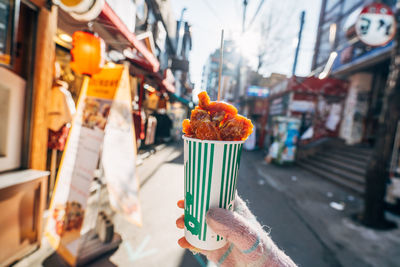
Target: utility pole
303,13
378,167
245,2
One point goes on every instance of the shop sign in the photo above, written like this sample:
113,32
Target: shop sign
376,25
180,64
302,106
357,53
258,91
119,155
96,110
279,105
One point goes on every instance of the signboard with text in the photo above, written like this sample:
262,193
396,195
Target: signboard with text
96,109
257,91
376,25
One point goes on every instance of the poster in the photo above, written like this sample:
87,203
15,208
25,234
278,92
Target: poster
286,131
119,155
80,159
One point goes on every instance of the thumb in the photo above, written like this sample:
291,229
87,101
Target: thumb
234,228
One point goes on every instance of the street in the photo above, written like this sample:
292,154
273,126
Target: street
95,96
291,203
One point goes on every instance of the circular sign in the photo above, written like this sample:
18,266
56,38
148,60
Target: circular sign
376,25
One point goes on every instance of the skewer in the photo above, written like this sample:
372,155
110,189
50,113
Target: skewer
221,56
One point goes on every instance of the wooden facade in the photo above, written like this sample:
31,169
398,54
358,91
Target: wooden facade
23,191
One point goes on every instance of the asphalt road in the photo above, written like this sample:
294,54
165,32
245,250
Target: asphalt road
155,243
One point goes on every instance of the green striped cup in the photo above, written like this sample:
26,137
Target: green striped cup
211,170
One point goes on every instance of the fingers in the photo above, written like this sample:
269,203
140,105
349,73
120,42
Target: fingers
181,204
233,227
185,244
180,222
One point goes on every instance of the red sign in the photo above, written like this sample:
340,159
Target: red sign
376,25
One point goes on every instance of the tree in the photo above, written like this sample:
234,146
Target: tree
277,34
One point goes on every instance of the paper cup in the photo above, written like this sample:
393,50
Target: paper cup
211,170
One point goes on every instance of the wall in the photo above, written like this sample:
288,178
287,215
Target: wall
356,107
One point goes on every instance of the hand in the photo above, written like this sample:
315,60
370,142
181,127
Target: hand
248,244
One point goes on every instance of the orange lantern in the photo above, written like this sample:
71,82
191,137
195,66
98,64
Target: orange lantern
87,53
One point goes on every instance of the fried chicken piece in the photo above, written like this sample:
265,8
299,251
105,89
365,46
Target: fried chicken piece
207,131
215,106
236,129
197,116
204,100
186,129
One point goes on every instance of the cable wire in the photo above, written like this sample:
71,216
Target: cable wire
255,14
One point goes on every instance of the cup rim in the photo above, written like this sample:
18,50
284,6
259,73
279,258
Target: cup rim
212,141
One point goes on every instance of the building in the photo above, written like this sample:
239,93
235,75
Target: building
34,34
180,61
27,52
341,54
229,72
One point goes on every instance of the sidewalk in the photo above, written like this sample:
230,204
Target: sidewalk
346,242
153,244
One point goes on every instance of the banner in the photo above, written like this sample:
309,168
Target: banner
80,159
119,155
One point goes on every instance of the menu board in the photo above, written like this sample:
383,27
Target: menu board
5,30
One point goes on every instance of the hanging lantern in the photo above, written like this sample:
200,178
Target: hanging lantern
87,53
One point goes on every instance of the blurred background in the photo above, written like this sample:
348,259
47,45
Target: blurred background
319,80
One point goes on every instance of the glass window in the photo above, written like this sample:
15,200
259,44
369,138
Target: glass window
330,4
349,5
324,48
341,39
333,13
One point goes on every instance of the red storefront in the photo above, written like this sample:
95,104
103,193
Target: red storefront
317,103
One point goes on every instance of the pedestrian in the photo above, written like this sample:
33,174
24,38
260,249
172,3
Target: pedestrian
248,243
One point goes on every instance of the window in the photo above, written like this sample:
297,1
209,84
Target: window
333,14
341,39
324,48
349,5
330,4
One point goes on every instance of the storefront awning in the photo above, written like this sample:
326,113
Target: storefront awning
148,60
182,100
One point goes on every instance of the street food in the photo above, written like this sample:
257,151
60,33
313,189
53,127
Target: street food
68,217
216,120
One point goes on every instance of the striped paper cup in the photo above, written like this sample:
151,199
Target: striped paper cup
211,170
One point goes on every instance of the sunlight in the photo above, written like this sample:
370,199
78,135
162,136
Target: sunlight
248,44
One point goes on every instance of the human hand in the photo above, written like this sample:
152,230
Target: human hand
248,244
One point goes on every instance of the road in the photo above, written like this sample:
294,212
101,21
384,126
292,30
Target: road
155,243
292,203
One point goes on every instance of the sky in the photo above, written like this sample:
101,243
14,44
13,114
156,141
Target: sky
208,17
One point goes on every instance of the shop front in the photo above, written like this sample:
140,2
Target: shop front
367,71
26,70
311,107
